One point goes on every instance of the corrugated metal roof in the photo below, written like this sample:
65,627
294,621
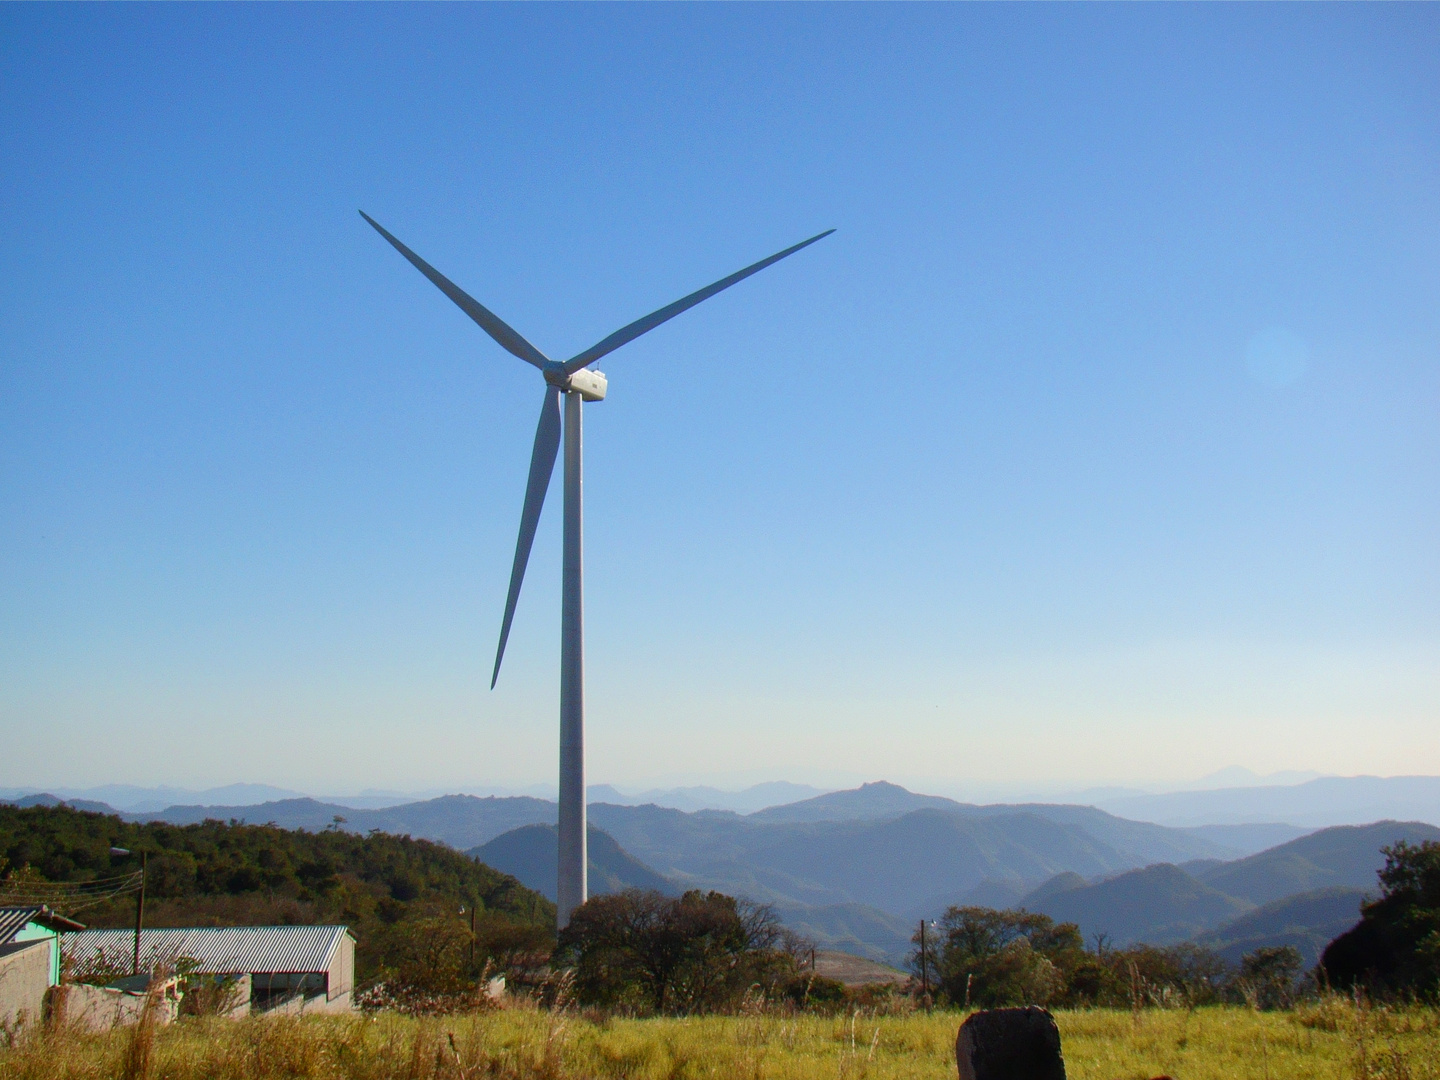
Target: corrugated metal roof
222,950
14,919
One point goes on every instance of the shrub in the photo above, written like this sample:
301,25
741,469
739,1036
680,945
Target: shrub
814,992
1268,976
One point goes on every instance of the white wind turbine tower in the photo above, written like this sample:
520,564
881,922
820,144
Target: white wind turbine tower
578,383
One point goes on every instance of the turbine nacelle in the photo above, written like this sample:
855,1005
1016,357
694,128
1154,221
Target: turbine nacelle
590,385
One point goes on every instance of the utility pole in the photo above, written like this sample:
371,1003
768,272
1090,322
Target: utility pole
139,913
924,970
472,937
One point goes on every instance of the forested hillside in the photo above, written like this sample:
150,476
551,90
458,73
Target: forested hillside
216,873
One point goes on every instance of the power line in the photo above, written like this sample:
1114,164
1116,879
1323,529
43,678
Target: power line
70,895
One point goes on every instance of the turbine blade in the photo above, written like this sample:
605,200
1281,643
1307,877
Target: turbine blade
488,321
655,318
542,465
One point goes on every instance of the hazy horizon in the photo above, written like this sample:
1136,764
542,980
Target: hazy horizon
1232,776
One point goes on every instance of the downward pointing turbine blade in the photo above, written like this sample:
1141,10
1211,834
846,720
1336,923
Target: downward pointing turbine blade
655,318
488,321
542,465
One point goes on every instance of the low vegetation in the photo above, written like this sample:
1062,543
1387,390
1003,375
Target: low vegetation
644,985
983,958
1330,1040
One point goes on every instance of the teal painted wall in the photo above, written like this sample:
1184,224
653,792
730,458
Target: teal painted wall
35,932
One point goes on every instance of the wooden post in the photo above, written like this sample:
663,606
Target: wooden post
139,914
924,964
472,937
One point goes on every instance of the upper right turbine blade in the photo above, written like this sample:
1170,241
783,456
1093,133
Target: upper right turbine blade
655,318
487,320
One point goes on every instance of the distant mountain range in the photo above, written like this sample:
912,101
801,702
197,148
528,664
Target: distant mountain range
462,821
46,799
855,868
859,885
690,799
1232,798
859,863
1234,776
130,799
868,802
1330,800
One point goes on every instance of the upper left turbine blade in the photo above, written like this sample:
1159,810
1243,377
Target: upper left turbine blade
488,321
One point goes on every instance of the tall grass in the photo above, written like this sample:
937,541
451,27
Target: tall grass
1335,1039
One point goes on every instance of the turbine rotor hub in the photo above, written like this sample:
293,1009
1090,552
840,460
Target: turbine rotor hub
590,385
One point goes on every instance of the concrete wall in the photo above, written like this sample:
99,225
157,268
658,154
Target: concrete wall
100,1008
340,980
323,1003
314,1004
24,978
240,998
232,990
35,932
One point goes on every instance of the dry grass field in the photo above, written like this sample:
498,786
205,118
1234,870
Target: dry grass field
1332,1040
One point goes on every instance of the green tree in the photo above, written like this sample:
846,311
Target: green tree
992,958
1395,948
649,953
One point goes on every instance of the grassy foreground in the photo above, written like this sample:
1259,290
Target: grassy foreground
1331,1040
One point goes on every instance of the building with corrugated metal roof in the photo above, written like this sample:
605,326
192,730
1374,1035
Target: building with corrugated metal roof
309,967
36,922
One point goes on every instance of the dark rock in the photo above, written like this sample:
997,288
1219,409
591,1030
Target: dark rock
1010,1044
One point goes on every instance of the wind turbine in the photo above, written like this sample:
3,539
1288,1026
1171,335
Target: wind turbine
575,379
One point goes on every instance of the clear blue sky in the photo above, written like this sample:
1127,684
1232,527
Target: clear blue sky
1098,444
